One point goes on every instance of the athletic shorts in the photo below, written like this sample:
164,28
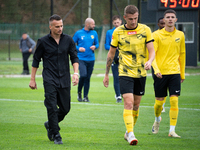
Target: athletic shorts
167,82
132,85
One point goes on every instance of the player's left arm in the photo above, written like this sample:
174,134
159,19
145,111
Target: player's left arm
150,48
151,55
182,58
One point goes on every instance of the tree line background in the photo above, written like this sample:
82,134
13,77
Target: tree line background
32,16
39,11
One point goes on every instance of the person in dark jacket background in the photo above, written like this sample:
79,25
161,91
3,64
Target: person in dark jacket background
26,46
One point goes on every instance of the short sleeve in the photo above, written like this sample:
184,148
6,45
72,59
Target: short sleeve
114,41
149,35
155,43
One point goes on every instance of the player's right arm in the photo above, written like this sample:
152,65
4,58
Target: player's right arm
154,63
110,57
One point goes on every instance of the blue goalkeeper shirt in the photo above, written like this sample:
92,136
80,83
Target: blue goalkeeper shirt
108,38
86,39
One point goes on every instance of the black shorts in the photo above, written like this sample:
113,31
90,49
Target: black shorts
167,82
132,85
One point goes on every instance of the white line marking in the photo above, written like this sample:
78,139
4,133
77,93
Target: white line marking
93,104
97,75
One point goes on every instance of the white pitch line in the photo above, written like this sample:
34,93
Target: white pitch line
93,104
97,75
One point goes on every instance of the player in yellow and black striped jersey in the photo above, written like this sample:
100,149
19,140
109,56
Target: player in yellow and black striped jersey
132,49
133,41
169,69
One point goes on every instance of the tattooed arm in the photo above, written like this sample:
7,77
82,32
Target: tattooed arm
110,57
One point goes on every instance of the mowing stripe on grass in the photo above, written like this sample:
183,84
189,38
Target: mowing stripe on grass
96,104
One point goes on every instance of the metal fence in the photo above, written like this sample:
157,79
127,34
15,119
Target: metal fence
35,31
10,35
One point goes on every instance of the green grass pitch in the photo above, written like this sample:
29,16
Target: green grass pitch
96,125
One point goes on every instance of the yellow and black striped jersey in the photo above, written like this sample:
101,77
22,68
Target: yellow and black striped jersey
132,49
169,52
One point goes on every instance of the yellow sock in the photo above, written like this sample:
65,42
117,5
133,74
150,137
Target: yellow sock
173,113
135,116
158,107
128,120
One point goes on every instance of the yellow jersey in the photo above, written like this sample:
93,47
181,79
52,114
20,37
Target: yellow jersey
169,52
131,44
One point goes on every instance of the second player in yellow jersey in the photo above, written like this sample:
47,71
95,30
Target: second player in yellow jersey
169,70
170,52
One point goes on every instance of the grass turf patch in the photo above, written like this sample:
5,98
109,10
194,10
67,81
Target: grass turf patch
95,125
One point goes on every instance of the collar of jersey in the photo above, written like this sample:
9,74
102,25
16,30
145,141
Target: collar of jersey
128,28
170,33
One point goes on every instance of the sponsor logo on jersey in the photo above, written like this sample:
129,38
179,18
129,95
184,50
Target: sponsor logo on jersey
132,32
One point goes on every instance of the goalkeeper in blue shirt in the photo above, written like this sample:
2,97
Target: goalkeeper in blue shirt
87,41
116,20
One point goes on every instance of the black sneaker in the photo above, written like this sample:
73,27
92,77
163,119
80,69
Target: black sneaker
86,99
46,124
79,97
23,73
58,139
